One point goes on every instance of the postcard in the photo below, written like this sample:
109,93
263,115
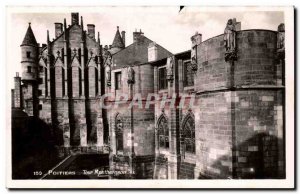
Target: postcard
150,97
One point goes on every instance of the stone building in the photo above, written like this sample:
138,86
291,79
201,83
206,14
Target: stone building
235,82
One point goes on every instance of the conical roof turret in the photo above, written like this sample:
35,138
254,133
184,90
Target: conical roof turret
29,39
118,41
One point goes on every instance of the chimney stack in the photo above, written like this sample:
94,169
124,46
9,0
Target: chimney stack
58,29
137,36
75,18
17,91
123,37
91,30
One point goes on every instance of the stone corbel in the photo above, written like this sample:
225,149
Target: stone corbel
230,56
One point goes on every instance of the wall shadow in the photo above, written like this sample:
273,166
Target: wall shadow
33,146
259,157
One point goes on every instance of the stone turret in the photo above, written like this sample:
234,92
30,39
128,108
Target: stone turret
118,43
29,50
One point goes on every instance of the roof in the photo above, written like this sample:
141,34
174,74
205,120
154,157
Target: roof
118,41
181,55
29,38
137,53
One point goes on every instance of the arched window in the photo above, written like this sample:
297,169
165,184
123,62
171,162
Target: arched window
119,133
188,134
163,133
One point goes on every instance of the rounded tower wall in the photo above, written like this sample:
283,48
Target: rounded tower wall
29,62
255,64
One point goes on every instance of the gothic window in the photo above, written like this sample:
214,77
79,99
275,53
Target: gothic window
118,80
188,134
163,133
162,78
119,133
188,74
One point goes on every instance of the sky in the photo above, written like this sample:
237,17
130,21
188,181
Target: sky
164,25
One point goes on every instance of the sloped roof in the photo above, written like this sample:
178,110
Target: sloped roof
29,38
118,41
137,53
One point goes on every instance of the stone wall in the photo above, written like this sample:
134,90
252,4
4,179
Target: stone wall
76,113
214,135
259,135
240,118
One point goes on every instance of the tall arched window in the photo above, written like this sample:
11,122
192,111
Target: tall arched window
163,133
188,134
119,133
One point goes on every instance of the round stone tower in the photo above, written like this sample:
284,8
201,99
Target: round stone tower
29,53
29,50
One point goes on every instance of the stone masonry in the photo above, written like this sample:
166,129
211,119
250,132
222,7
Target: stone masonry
235,129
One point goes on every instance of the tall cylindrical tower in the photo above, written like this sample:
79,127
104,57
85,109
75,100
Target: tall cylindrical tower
29,53
29,61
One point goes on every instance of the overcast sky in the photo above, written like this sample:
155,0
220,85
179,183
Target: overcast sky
164,25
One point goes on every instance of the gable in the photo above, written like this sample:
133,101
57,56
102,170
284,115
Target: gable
92,63
75,36
58,62
42,62
75,62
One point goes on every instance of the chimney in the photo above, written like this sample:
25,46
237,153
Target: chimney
17,91
75,18
152,52
123,37
91,30
137,36
58,29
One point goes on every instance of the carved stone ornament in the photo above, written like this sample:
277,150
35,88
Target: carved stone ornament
196,40
130,73
108,71
194,58
170,64
281,42
230,41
